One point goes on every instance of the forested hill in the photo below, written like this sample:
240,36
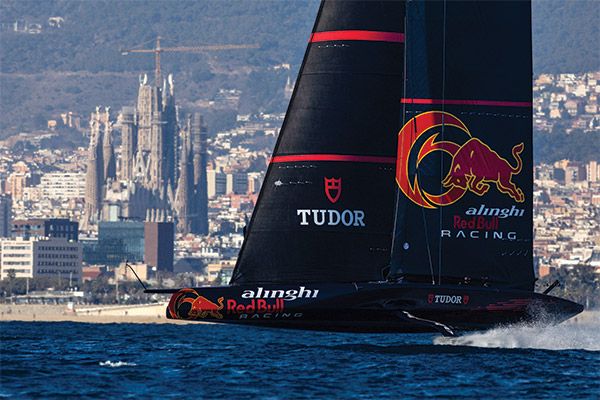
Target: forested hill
93,32
565,32
76,64
566,36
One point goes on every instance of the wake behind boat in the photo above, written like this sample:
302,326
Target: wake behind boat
399,195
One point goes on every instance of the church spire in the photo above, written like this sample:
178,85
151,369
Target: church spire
185,185
108,151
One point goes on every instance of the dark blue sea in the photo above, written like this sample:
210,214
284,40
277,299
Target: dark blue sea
76,360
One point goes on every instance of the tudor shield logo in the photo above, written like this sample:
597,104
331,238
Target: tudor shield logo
333,189
331,217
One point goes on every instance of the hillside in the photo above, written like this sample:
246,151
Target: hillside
93,33
566,36
78,65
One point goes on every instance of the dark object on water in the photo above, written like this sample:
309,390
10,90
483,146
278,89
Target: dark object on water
399,195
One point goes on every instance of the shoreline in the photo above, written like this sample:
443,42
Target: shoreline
139,314
107,314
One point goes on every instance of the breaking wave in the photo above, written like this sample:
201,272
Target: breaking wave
568,336
116,364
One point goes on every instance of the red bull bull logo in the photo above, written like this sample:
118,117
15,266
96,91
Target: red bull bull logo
475,166
188,304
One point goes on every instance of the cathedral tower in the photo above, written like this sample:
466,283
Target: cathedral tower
108,151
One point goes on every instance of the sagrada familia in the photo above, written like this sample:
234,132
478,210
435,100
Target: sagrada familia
161,172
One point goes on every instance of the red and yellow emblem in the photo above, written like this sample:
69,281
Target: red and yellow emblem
474,164
188,304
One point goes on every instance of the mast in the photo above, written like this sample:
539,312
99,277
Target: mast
465,164
326,207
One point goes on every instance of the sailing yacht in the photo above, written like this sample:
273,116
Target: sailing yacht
399,194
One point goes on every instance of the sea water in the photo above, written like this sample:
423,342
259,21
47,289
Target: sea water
204,361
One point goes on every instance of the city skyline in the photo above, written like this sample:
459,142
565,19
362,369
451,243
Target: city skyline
147,153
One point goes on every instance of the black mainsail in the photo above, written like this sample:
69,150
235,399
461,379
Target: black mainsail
326,207
465,152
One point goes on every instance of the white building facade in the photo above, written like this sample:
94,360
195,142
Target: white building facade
41,257
62,186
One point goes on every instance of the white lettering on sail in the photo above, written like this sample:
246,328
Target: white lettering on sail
495,212
322,217
303,214
476,234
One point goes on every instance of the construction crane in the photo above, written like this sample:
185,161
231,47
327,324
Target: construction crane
157,50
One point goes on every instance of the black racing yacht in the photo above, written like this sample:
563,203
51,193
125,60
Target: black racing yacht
399,194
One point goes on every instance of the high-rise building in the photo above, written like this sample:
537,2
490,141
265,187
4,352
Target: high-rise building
41,257
5,215
216,183
254,182
158,245
593,171
18,180
118,241
240,183
62,185
53,227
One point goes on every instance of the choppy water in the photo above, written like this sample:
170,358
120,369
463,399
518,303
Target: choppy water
74,360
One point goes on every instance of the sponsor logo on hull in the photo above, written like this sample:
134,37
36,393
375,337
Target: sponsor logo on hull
433,298
188,304
288,295
255,307
260,303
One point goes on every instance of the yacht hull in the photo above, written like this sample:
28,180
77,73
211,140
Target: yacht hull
369,307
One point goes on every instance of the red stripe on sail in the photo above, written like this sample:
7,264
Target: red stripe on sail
372,36
468,102
334,157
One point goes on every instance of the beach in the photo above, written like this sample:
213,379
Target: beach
134,313
138,313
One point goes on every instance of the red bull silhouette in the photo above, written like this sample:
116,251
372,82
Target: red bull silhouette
475,166
190,305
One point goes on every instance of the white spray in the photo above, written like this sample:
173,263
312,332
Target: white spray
567,336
